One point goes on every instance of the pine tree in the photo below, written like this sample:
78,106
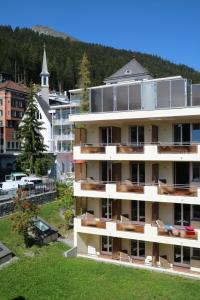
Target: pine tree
33,156
84,83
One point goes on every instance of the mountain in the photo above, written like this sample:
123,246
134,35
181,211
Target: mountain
21,51
49,31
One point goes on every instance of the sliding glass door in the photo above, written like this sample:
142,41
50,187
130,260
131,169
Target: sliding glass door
182,255
182,214
138,172
106,208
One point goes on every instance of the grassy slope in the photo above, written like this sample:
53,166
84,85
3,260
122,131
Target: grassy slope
48,275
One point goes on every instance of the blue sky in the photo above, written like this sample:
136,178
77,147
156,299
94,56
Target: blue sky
170,29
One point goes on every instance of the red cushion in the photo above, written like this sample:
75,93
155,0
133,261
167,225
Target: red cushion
189,228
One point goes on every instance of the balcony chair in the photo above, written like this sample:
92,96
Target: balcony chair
88,220
165,189
122,256
164,229
164,263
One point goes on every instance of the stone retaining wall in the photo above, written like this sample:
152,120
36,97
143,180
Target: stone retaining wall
6,208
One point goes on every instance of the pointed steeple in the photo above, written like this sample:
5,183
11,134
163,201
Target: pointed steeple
45,78
44,63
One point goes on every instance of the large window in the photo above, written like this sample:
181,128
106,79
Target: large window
138,248
138,172
106,244
107,208
137,134
195,132
196,212
182,255
196,172
138,211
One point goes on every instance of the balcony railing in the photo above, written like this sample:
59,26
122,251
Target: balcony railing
93,185
92,149
140,148
130,226
148,95
177,190
130,187
130,149
170,148
89,220
178,231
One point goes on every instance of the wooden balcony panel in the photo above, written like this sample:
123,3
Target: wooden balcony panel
93,223
93,187
92,149
175,149
179,233
177,191
130,227
126,188
130,149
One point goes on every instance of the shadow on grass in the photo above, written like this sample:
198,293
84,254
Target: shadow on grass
19,298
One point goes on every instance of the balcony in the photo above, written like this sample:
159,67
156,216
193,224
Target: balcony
139,152
130,226
93,186
176,149
136,230
130,149
186,232
63,137
175,190
130,187
143,192
148,99
61,122
92,149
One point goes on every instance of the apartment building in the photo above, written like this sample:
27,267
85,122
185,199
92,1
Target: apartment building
12,107
137,172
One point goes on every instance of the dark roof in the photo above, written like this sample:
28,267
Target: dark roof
45,107
10,85
133,70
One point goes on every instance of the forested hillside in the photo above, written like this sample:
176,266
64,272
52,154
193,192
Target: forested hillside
21,56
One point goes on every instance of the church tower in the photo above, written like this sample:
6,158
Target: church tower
45,78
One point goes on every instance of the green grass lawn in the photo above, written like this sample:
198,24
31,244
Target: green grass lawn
48,275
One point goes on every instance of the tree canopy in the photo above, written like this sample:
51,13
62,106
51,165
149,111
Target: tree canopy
33,156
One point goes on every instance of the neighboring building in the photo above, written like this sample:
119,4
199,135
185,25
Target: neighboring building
12,107
54,109
137,171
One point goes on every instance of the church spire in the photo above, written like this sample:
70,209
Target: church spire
45,78
44,63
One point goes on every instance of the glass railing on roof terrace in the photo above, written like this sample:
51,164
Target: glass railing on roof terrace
171,93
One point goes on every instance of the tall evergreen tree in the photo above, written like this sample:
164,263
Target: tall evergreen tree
33,156
84,83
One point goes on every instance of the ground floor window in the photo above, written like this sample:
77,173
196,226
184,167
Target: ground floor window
106,244
138,248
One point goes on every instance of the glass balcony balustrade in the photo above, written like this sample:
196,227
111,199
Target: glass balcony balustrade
164,94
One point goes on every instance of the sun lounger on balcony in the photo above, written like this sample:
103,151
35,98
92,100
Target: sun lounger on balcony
128,186
89,220
165,189
164,229
164,263
122,256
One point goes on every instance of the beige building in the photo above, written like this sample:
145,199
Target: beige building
137,172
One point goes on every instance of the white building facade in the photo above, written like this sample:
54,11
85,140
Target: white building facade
137,172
